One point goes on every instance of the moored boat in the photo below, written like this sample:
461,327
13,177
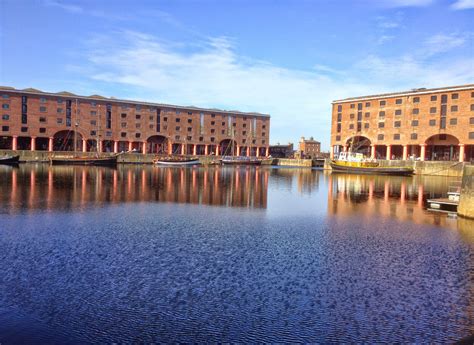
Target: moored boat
10,160
176,161
233,160
102,161
355,163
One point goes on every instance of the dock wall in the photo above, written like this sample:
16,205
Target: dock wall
466,200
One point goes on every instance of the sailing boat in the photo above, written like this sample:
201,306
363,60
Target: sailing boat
75,160
239,160
173,160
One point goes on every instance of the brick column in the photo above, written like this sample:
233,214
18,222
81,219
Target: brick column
389,152
372,151
144,147
183,148
100,145
461,152
405,152
206,149
33,143
130,146
195,150
50,145
116,146
15,143
422,152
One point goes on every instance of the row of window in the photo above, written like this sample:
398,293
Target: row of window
413,136
382,103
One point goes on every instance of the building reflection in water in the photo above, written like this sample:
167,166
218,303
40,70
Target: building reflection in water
403,198
41,186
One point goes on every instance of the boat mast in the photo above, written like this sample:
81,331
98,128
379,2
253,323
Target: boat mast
75,130
97,135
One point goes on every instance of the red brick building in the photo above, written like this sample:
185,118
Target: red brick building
309,148
36,120
422,124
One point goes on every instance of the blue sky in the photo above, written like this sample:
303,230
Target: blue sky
287,58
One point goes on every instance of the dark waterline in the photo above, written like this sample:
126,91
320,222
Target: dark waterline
244,254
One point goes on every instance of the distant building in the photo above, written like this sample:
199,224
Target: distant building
282,151
309,148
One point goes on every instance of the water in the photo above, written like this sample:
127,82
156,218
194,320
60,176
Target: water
246,254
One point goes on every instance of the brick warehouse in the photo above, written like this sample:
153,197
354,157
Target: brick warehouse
37,120
421,124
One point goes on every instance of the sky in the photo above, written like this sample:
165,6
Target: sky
289,59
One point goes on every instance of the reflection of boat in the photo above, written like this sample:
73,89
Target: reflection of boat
355,163
176,161
234,160
10,159
104,161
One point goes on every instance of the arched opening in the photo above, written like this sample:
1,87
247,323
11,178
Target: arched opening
64,141
442,147
157,144
24,143
228,147
108,146
42,144
6,143
359,144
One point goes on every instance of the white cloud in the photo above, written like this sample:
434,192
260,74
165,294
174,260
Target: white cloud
65,6
442,43
211,74
403,3
463,4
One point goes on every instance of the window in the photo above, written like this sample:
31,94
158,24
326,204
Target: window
442,123
433,110
5,128
123,134
264,126
398,101
190,113
213,115
472,94
190,120
165,119
352,116
472,107
123,125
454,108
352,106
339,108
42,130
338,128
60,100
189,137
5,106
223,123
178,120
339,117
42,119
398,112
380,137
223,131
190,129
42,100
123,115
137,135
137,125
138,107
383,103
24,129
5,117
213,130
93,133
59,121
366,125
5,96
367,115
213,139
108,134
138,116
359,106
381,124
351,126
177,128
432,123
201,138
367,104
396,137
414,123
93,122
42,109
124,107
434,98
152,118
214,122
94,113
454,96
414,136
93,104
415,111
263,134
177,137
453,121
471,135
244,125
416,99
397,124
60,110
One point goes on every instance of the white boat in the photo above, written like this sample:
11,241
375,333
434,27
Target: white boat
175,161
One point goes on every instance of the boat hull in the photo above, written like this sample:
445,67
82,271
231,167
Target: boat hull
403,171
10,160
241,161
108,161
177,163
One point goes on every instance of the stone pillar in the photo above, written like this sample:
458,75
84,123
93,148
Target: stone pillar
267,151
15,143
33,143
116,146
195,150
144,147
405,152
249,151
206,149
238,150
331,154
84,145
50,145
422,152
130,146
461,152
258,151
183,148
170,147
217,150
389,152
372,151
